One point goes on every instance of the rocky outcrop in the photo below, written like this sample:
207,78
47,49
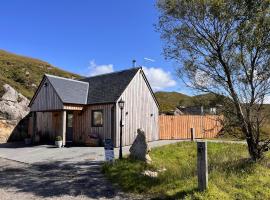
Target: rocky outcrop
13,105
13,108
140,149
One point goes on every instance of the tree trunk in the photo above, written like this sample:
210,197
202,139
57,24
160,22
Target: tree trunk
254,150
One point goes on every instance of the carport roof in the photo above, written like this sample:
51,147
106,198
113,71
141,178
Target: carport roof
69,90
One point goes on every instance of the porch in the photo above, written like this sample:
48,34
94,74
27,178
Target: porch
45,126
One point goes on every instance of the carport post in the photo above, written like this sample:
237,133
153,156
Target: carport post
34,125
64,127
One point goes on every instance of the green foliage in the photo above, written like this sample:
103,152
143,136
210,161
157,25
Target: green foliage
231,174
58,138
24,74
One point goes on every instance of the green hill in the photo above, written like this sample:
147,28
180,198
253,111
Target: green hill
169,100
24,73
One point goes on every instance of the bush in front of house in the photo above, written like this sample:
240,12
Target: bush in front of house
58,138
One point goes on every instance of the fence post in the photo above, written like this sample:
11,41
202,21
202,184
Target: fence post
192,132
202,165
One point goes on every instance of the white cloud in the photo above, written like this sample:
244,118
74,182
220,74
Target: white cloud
158,78
95,69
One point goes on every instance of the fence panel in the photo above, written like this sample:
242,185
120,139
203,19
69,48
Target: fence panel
178,127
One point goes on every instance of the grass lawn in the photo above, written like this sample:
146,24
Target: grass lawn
231,174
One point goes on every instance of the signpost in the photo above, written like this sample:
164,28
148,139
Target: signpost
109,152
202,165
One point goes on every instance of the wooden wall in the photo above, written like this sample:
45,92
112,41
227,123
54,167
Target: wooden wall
46,98
82,123
48,124
178,127
140,111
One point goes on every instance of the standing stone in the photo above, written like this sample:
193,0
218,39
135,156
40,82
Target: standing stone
140,149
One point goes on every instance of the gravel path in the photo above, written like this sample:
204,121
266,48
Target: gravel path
57,180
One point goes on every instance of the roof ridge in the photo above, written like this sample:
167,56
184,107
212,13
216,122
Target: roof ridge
113,72
68,79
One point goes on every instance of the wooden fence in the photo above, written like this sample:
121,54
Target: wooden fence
179,127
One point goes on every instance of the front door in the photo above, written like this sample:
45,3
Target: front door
69,136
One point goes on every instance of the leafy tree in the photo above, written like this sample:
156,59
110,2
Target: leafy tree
222,47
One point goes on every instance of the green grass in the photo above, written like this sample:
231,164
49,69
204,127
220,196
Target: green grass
231,174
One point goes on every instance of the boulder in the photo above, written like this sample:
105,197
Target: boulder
10,94
13,105
13,108
140,149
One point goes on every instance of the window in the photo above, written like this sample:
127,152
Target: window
97,118
69,120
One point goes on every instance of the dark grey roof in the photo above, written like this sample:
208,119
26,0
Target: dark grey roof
107,88
69,90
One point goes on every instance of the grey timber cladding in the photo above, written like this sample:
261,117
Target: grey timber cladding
140,111
46,98
107,88
69,91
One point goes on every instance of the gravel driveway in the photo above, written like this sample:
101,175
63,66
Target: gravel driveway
56,180
44,172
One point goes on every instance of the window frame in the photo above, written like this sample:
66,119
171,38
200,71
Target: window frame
92,118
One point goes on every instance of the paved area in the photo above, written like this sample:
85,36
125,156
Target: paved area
45,172
48,153
56,180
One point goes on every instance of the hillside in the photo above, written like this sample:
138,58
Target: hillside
170,100
24,73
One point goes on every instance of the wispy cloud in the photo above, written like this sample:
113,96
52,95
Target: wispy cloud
158,78
149,59
95,69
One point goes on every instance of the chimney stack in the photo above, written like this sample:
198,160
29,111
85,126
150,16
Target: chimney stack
133,63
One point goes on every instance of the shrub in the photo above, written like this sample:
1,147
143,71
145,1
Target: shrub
58,138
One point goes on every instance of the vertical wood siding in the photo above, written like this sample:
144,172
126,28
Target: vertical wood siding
178,127
49,124
46,98
139,106
82,126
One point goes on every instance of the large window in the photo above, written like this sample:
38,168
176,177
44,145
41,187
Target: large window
97,118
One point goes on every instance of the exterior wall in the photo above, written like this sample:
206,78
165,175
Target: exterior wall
139,106
46,98
48,124
82,123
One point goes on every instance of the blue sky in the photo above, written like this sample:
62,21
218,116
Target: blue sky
88,37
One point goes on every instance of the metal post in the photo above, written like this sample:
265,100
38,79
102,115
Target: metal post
202,165
121,126
192,132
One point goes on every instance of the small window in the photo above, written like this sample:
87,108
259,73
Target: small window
69,120
97,118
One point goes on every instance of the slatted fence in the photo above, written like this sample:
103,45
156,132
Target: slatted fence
179,127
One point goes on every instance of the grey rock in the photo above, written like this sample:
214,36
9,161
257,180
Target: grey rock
140,149
10,93
13,105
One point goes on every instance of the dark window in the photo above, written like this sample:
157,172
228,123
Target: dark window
69,120
97,118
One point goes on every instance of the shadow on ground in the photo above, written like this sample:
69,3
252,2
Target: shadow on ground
55,179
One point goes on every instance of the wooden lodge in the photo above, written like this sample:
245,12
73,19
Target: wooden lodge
78,109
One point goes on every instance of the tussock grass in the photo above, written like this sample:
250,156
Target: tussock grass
231,174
